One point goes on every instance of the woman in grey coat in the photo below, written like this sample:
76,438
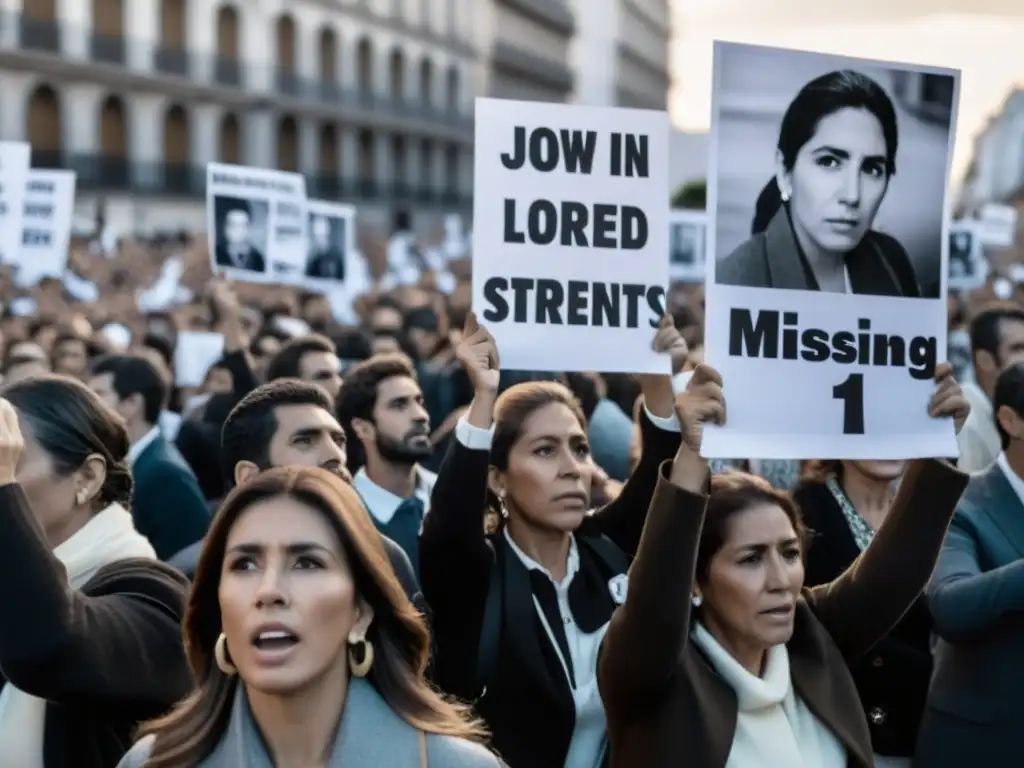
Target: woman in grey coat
306,649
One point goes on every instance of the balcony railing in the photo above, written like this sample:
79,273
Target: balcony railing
40,34
109,49
312,91
172,61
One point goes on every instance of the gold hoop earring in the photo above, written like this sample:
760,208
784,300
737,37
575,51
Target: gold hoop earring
360,668
502,508
220,655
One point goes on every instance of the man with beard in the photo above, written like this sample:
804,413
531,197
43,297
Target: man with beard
381,407
289,423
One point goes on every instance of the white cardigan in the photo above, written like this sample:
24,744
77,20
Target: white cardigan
774,729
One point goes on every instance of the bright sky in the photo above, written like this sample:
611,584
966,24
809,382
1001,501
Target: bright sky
987,48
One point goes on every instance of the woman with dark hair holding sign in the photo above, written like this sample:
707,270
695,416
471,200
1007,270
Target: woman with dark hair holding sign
813,221
519,614
720,656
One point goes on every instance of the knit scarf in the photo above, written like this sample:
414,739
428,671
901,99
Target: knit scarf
774,729
108,537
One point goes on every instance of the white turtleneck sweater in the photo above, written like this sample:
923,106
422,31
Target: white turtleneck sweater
774,729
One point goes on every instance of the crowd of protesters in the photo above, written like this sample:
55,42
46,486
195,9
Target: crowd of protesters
370,545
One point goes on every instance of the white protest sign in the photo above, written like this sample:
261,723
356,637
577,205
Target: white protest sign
570,221
46,225
332,244
687,240
968,267
256,220
998,225
828,251
15,158
195,354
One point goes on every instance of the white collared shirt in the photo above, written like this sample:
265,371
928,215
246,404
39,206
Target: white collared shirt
382,503
142,444
1012,477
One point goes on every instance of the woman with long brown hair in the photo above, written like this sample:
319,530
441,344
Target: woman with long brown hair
306,649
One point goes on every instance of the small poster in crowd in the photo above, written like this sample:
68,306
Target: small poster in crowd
332,244
15,159
998,225
687,239
256,218
196,352
571,231
46,225
828,235
968,268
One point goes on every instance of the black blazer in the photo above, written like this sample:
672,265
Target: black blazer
879,265
976,597
105,658
330,264
254,262
168,506
892,679
527,702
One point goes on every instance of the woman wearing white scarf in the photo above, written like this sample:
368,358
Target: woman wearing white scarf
89,620
720,657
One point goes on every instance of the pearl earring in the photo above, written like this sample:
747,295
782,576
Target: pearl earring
785,197
501,503
696,600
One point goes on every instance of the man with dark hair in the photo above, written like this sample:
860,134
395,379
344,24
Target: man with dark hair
311,358
168,506
976,601
24,359
997,342
381,407
235,247
70,355
288,423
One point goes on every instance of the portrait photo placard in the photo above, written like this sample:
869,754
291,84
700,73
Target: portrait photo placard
15,158
968,267
46,225
687,241
828,251
256,219
331,244
570,222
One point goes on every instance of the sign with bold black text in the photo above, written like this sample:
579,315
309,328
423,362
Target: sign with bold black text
827,254
15,157
570,234
46,225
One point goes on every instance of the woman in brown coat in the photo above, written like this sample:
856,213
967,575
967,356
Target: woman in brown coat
719,657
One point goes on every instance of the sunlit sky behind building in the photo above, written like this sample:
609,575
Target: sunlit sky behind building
982,38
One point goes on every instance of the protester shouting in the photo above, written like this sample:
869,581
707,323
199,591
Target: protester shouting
843,504
720,657
519,614
90,621
305,647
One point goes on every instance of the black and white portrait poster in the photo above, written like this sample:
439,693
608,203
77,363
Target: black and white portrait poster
46,225
331,244
15,158
826,280
968,268
687,236
257,223
570,227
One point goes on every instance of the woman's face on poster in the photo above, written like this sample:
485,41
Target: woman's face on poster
838,180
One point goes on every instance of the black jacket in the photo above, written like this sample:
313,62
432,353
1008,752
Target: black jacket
893,678
527,702
105,658
879,265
